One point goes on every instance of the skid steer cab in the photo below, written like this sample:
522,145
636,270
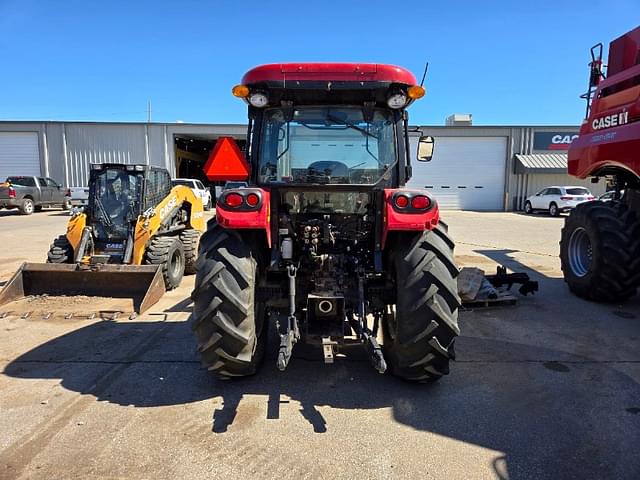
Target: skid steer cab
136,238
326,241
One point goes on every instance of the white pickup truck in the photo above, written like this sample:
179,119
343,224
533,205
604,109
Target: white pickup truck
198,188
79,196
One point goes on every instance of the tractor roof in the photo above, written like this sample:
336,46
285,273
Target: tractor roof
340,72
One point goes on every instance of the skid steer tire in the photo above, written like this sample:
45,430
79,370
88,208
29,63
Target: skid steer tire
419,336
600,251
168,252
60,251
189,239
230,326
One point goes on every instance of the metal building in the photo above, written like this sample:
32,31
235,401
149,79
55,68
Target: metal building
473,168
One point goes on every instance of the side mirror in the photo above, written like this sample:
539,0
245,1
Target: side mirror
425,148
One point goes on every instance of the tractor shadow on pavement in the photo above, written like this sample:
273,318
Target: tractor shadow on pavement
546,409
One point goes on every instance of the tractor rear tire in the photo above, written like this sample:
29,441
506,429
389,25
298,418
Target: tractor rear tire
600,251
168,252
189,239
230,326
419,336
60,251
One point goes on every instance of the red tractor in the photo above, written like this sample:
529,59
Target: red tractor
600,246
325,241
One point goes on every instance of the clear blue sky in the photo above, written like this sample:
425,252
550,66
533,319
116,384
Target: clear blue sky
507,62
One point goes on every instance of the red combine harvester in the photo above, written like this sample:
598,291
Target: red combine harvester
325,241
600,245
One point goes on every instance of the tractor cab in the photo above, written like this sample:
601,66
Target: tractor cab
329,124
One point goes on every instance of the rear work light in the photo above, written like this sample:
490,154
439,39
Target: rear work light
397,100
420,202
234,200
258,100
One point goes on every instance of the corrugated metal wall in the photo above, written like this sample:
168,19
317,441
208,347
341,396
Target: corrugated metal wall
85,144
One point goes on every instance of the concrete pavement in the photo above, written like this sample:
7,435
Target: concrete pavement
547,389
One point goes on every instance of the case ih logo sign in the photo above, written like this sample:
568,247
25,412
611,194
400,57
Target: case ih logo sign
553,140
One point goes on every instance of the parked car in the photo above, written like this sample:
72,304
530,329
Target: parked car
557,199
610,195
198,188
79,196
29,194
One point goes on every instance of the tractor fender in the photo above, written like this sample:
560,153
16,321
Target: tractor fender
407,219
244,216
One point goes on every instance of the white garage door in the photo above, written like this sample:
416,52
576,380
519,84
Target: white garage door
466,173
19,154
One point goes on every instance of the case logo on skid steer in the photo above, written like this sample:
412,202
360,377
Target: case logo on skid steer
610,120
168,208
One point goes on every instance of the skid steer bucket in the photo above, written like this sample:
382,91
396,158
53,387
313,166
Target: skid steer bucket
51,289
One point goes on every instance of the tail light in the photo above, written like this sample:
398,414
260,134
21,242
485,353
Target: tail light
401,201
244,199
420,202
234,200
252,199
12,192
590,197
566,198
406,201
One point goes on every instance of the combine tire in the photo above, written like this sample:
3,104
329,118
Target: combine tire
189,239
27,207
168,252
419,335
600,251
228,323
60,251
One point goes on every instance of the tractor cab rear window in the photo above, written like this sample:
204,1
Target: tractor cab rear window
326,145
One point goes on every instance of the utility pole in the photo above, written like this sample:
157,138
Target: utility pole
148,111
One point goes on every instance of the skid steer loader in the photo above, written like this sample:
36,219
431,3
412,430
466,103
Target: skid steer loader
134,240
